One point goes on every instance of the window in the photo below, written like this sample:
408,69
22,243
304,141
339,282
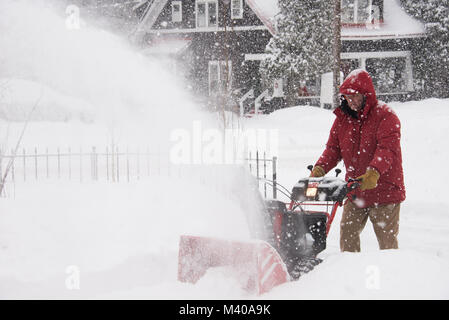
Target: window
176,11
236,9
200,15
360,11
220,77
206,13
390,75
391,71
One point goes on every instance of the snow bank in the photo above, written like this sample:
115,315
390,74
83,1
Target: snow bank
119,236
402,274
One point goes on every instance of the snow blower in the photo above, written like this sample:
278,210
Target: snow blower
296,234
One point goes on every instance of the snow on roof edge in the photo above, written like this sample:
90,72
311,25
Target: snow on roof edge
266,11
397,24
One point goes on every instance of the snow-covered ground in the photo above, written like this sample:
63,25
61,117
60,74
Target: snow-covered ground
122,238
67,239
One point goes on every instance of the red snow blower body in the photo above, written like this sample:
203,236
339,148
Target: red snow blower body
296,233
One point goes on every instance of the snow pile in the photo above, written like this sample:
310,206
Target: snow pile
129,232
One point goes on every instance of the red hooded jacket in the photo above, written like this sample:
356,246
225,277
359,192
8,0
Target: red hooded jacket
369,139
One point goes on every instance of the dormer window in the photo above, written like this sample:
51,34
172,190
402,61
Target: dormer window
176,11
206,13
361,11
236,9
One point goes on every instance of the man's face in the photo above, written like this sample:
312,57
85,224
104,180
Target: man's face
354,101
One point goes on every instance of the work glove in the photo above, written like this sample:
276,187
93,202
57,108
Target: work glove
369,179
317,172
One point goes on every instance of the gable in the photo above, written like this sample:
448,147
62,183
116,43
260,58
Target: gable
259,13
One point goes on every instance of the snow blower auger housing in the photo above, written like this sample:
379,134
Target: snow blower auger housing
296,233
300,228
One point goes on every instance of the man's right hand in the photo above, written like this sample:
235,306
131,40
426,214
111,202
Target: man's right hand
317,172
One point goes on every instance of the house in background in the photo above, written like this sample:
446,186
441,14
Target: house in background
219,45
380,37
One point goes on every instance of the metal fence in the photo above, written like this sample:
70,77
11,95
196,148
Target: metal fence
110,164
265,171
114,164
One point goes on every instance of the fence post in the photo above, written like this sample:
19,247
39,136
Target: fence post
159,160
24,164
12,166
93,163
46,161
35,162
81,164
70,164
96,163
1,165
118,166
59,163
127,163
138,164
148,160
265,174
107,163
112,163
274,178
257,169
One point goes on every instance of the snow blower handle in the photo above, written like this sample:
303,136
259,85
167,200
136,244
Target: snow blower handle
351,186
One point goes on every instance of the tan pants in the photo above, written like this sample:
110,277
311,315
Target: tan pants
385,220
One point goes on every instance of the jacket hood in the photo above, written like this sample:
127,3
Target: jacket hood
359,81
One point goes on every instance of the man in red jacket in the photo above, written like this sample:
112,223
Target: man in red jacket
366,135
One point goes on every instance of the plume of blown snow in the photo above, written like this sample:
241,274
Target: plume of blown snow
110,81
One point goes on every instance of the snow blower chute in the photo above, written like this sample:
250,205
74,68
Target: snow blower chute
296,234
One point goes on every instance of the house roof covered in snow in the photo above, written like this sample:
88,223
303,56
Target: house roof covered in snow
396,24
266,11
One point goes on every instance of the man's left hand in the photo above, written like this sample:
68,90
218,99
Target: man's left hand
369,179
